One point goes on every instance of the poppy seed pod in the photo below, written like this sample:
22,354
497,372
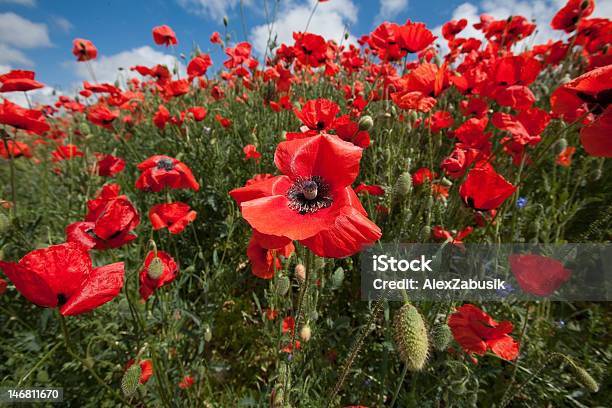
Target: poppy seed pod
441,336
130,380
225,21
366,122
584,378
207,333
300,272
411,337
305,333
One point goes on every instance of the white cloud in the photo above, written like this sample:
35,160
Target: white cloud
389,8
603,9
43,96
22,33
107,67
27,3
215,9
62,23
330,21
12,56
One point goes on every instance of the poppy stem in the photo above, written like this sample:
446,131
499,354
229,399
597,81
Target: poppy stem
12,171
399,386
86,364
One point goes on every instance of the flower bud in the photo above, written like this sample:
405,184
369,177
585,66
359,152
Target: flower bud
560,145
305,333
130,380
441,336
207,333
583,377
300,272
225,21
156,268
366,122
403,185
411,337
282,285
337,278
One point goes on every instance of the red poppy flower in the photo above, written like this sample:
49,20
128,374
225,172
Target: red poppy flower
225,122
250,152
477,332
84,50
318,115
19,80
66,152
570,15
515,96
174,216
163,35
383,40
161,117
146,370
161,171
348,130
197,112
589,93
101,116
310,49
3,286
565,157
31,120
215,38
414,37
288,324
109,165
372,190
422,174
62,276
451,28
266,261
440,120
15,149
109,222
159,270
484,189
538,275
440,233
186,382
199,65
313,202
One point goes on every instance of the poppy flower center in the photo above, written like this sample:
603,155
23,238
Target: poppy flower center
165,164
61,299
308,195
320,125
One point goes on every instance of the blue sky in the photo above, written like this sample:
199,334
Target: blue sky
38,34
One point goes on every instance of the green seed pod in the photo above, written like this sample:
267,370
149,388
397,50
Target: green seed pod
441,336
560,146
583,377
403,185
366,122
129,382
411,337
282,285
337,278
225,21
156,268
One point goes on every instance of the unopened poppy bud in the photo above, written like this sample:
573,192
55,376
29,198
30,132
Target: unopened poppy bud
129,382
366,122
156,268
207,333
430,202
425,232
584,4
441,336
583,377
305,333
300,272
413,116
282,285
337,278
403,185
596,176
411,337
225,21
84,128
346,35
560,145
446,182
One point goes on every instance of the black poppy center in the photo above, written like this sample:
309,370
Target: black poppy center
597,103
61,299
308,195
320,125
165,164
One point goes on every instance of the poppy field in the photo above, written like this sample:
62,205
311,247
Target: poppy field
190,235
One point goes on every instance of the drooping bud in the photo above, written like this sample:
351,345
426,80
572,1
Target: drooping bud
156,268
441,336
446,182
225,21
411,337
337,278
560,145
366,123
583,377
129,382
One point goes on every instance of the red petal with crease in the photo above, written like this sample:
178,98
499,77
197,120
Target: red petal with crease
29,284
